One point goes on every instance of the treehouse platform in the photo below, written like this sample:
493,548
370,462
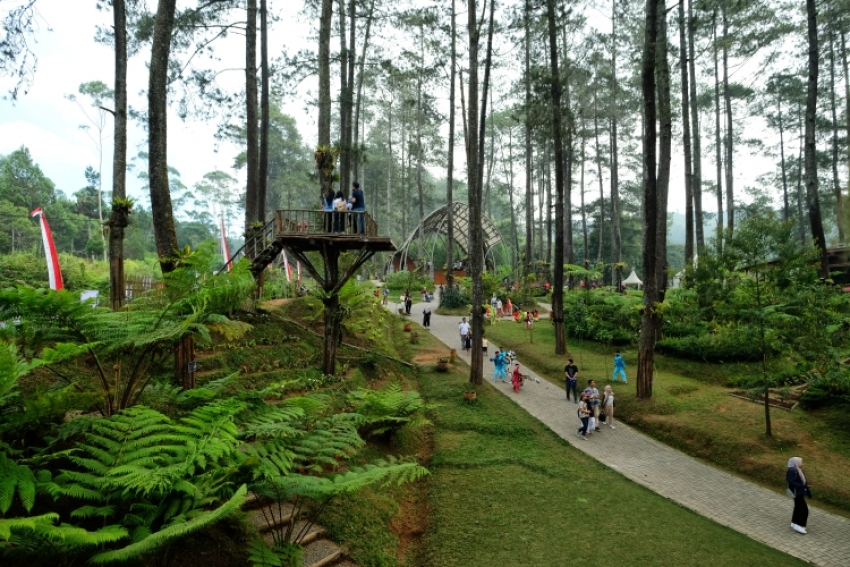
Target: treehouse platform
313,230
302,231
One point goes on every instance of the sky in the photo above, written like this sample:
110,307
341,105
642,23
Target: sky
47,123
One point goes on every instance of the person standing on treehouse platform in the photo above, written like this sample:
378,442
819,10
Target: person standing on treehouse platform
358,205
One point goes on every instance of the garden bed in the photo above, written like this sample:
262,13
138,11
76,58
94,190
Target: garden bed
774,402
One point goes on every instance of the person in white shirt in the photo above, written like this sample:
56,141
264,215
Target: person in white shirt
463,331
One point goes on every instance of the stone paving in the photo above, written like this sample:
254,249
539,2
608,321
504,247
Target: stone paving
760,513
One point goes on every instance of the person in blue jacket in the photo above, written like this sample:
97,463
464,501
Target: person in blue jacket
798,486
358,204
619,368
500,364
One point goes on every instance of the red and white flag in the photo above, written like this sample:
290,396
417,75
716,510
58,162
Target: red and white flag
53,271
286,266
225,251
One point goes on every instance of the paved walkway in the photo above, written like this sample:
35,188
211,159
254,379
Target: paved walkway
752,510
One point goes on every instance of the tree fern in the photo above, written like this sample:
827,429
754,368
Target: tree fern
389,408
124,344
173,531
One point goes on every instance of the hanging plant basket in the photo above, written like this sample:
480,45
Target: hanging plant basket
470,397
408,327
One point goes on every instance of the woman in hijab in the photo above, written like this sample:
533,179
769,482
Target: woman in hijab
800,488
339,215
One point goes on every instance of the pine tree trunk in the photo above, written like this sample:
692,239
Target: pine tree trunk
420,190
514,228
665,122
529,188
585,248
812,199
646,345
118,219
836,184
324,158
616,238
548,172
718,140
491,162
686,141
351,58
801,226
558,280
601,228
846,98
697,135
786,211
390,162
344,100
161,209
450,234
730,132
359,97
263,167
476,374
252,151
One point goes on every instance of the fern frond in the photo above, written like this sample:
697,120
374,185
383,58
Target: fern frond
15,478
93,512
172,532
259,555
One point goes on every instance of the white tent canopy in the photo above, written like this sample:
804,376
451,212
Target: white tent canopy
633,279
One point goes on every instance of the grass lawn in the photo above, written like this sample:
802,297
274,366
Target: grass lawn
692,410
505,491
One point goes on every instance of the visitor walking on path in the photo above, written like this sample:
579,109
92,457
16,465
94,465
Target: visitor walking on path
584,416
619,368
426,317
516,379
500,364
463,331
593,401
571,380
608,406
408,304
798,486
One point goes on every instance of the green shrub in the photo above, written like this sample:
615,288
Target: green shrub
831,389
725,346
402,281
454,298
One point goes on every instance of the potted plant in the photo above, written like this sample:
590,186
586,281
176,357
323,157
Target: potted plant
470,396
414,337
443,364
408,327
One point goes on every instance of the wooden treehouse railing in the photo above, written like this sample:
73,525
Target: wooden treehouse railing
265,244
335,223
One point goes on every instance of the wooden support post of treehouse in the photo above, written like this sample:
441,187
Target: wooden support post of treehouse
331,283
303,232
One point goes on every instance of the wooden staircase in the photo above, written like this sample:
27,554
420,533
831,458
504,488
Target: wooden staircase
318,550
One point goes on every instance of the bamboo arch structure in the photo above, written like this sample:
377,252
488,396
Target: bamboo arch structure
437,223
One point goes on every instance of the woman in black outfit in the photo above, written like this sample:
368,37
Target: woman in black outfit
797,484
